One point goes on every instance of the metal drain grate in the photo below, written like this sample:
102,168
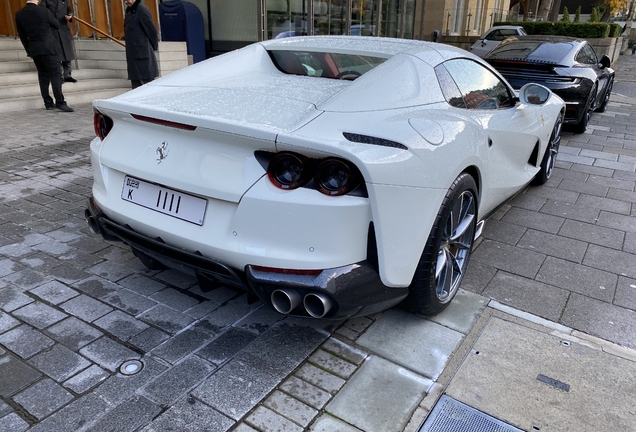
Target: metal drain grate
450,415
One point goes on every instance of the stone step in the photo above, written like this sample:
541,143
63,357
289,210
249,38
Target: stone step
35,102
8,43
32,89
31,76
17,66
100,69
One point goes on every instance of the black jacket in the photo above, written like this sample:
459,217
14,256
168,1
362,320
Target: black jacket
142,41
35,27
60,8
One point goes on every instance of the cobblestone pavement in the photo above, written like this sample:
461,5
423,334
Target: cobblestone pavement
75,308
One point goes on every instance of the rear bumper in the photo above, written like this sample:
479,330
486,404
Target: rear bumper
347,291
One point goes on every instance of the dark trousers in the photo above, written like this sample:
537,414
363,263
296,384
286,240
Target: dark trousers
66,69
48,67
139,83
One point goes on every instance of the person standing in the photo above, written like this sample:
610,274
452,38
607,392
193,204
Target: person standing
35,26
142,41
63,13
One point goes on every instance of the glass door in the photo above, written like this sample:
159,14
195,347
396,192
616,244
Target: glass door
330,17
364,16
398,18
285,18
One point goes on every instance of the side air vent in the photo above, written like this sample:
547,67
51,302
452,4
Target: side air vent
534,156
367,139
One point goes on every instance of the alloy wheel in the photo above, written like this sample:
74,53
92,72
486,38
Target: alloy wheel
553,146
455,246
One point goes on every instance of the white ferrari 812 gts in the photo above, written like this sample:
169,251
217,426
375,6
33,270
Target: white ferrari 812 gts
329,176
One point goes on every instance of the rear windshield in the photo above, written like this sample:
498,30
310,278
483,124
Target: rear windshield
531,50
324,64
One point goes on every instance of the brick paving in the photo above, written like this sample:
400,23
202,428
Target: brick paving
74,308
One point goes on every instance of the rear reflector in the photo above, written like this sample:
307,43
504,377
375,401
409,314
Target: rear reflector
286,271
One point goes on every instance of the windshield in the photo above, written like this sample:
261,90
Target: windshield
324,64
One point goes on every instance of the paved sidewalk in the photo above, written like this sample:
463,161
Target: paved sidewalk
551,291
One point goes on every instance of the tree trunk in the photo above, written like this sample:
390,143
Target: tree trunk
606,14
554,11
544,10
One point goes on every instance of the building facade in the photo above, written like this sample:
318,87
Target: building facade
229,25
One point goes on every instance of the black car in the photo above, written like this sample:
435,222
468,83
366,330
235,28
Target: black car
567,66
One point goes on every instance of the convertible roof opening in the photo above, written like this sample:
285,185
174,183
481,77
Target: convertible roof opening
324,64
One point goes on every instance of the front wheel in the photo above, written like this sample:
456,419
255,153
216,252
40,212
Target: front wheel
447,251
551,151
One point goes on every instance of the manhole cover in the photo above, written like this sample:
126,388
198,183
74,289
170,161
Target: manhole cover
450,415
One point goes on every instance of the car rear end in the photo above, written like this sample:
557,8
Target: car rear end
526,60
192,178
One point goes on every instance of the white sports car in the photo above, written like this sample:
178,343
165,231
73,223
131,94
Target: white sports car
328,176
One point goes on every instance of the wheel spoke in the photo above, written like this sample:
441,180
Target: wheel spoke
444,283
441,263
461,236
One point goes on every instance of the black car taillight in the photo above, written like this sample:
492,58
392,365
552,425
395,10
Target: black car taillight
288,170
102,124
335,177
330,176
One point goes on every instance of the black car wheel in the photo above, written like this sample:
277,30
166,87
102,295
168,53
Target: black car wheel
589,107
608,93
447,251
551,151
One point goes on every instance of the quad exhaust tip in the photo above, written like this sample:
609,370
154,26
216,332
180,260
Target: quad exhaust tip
285,301
92,223
317,304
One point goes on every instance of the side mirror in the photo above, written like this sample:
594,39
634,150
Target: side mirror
605,61
534,94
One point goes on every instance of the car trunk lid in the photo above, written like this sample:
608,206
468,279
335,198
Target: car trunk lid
198,140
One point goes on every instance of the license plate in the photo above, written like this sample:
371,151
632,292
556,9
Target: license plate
164,200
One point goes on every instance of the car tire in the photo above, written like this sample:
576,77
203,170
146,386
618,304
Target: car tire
589,107
551,151
608,93
447,252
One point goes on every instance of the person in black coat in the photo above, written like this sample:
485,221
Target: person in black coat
63,13
142,41
35,26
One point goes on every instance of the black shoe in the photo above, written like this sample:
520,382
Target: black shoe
64,108
49,107
70,79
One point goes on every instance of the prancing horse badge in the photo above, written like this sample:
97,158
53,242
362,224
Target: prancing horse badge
162,151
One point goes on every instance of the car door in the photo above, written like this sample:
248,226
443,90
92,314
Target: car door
586,57
511,130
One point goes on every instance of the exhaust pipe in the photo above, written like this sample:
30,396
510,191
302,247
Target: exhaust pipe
317,304
92,223
285,301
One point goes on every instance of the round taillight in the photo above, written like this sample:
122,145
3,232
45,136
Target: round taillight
287,170
335,177
102,124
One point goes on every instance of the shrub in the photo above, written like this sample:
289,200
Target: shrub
577,14
615,30
561,28
566,15
594,16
